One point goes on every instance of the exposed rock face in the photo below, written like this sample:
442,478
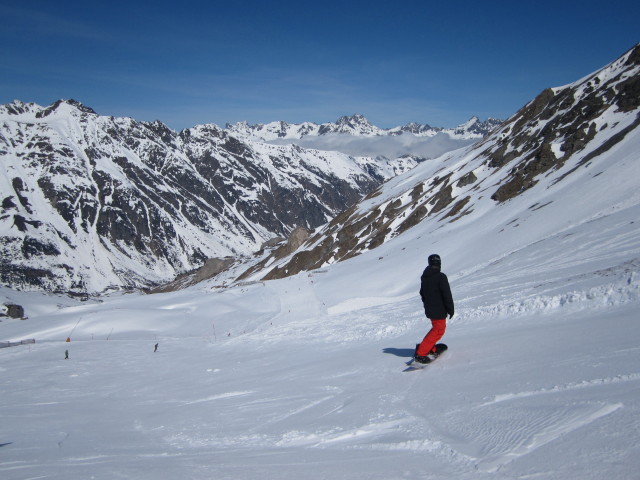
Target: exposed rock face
212,268
14,311
297,238
561,122
272,242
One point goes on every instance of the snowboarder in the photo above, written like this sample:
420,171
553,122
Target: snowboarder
438,303
66,354
155,349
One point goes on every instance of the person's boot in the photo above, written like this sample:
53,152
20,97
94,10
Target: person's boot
420,359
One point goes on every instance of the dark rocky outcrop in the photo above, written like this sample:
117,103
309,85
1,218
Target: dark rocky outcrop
563,117
13,310
211,269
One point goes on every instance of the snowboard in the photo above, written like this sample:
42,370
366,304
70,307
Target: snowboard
412,365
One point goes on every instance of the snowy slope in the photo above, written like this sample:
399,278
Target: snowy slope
302,377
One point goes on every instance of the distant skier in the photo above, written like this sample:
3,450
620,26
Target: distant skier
438,303
66,354
155,349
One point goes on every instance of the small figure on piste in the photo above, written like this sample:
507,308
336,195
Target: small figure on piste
438,303
155,349
66,354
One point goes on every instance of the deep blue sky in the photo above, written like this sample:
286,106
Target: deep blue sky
186,63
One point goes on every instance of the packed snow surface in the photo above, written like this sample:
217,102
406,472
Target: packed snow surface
303,377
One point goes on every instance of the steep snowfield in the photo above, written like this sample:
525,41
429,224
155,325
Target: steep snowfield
302,377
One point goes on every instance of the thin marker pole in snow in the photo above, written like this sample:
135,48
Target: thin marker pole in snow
109,334
74,327
213,325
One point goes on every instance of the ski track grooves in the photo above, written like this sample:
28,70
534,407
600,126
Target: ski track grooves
216,397
563,388
549,431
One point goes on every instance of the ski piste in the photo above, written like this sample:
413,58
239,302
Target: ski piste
412,365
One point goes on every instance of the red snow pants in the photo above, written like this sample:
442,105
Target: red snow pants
437,331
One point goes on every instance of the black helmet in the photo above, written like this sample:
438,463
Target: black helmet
434,260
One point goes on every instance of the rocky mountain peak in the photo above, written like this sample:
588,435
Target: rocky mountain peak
356,124
17,107
65,107
353,121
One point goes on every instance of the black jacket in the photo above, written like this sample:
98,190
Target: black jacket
436,294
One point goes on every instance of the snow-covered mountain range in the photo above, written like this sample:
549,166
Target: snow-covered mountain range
356,136
91,202
358,125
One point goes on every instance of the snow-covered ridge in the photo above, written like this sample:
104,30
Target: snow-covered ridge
560,140
357,125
